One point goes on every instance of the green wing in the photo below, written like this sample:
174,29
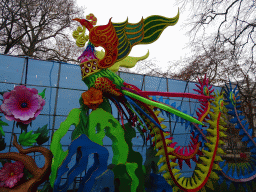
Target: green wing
155,25
144,32
128,35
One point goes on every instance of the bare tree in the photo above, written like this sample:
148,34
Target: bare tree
37,28
247,91
215,62
148,67
231,23
64,50
222,39
10,33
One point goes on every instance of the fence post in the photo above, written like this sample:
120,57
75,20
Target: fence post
56,100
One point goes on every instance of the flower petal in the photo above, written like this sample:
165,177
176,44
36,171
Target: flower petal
6,95
33,90
11,181
18,167
4,173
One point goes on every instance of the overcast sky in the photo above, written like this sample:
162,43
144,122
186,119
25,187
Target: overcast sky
168,47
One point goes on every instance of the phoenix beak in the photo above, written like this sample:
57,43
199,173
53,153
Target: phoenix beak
77,19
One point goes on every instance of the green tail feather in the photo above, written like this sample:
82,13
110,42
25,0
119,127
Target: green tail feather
162,106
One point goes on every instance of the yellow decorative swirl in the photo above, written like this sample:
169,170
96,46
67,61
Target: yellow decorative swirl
81,39
127,62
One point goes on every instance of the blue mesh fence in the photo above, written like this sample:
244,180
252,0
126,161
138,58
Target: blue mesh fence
63,89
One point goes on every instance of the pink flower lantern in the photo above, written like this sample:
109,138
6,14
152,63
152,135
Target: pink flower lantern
11,173
22,104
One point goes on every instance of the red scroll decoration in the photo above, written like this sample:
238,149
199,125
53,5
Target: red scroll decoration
106,37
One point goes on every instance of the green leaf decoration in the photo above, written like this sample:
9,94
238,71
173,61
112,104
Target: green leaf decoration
135,157
150,164
27,174
56,148
27,139
105,105
43,137
1,128
131,167
3,161
42,94
125,179
82,127
2,143
104,122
